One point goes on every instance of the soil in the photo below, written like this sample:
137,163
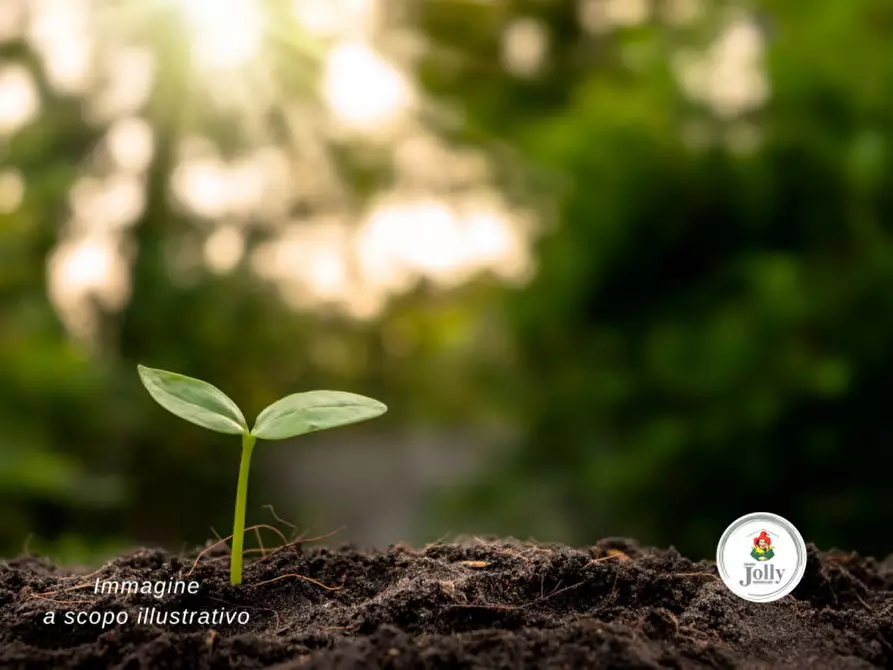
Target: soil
472,604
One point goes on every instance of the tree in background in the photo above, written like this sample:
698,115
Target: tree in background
708,330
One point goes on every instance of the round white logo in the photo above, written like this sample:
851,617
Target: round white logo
761,557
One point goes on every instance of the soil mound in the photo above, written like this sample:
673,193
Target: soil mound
472,604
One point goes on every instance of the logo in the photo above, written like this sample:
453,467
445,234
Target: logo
761,557
762,547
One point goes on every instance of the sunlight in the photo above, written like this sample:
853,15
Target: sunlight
255,184
59,32
363,89
83,272
19,100
681,12
525,46
328,18
202,187
12,191
224,249
328,274
433,226
401,240
86,266
423,235
107,204
227,32
729,77
131,144
627,12
12,19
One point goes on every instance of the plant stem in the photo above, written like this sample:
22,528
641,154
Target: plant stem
235,569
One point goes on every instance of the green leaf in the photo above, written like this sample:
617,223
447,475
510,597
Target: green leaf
315,410
194,400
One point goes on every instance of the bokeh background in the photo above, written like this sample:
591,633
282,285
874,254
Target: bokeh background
618,267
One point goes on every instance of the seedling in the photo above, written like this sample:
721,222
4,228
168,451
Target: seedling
296,414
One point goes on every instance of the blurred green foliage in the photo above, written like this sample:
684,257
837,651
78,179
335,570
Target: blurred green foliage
707,333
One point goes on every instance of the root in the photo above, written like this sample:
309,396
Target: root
40,596
280,519
497,606
78,587
264,551
297,576
229,537
205,551
498,550
620,556
556,592
291,545
89,574
439,540
260,542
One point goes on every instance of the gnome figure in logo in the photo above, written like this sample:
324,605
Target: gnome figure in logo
762,547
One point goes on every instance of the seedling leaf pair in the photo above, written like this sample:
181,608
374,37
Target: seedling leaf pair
207,406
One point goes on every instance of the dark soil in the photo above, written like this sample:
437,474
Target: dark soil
500,604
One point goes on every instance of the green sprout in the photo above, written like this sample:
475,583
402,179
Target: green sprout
296,414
